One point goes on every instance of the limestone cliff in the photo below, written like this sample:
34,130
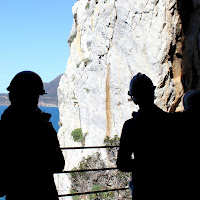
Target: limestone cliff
112,40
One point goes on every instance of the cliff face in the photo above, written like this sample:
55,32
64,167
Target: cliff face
113,40
191,50
110,42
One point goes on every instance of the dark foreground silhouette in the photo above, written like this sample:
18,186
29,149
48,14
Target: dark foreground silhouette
165,146
187,150
30,152
144,136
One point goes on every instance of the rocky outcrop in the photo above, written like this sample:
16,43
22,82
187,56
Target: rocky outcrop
51,98
4,100
112,40
191,51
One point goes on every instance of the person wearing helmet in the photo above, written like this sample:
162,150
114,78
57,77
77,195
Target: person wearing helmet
190,143
141,136
191,101
25,89
32,149
185,148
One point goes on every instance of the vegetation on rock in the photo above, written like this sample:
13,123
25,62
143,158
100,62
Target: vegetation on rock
101,180
78,136
72,37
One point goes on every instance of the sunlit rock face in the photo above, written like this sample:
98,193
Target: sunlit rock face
110,42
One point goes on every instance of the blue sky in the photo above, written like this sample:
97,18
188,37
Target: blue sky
33,36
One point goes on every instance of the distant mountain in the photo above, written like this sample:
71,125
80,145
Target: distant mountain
4,100
51,98
48,100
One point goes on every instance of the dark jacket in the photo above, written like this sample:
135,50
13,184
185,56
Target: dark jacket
187,153
146,136
2,160
32,154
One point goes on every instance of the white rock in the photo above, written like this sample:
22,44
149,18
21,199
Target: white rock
115,40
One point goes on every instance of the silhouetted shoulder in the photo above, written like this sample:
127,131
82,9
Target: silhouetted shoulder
2,159
130,126
3,134
151,116
48,128
57,157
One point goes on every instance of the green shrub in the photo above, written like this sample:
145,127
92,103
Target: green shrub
108,195
87,6
111,142
72,37
86,61
74,197
87,90
112,152
97,181
95,188
78,64
77,135
102,180
74,174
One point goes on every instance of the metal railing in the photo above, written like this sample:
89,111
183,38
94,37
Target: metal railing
94,192
90,170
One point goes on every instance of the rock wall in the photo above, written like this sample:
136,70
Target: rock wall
111,41
191,50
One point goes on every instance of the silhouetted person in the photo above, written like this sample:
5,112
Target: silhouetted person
191,103
191,144
144,136
32,149
184,148
2,161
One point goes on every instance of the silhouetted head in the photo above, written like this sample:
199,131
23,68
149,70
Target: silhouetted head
141,90
25,89
191,101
